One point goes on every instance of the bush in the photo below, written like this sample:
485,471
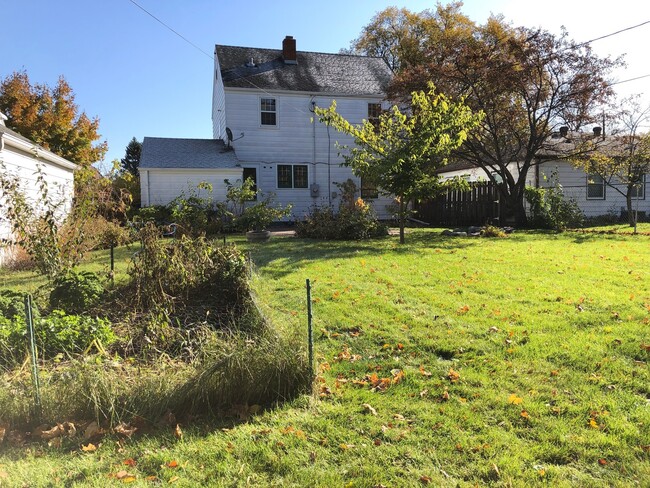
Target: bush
76,292
552,210
358,222
12,305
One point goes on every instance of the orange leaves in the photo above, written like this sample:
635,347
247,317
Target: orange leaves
424,373
463,310
89,447
453,376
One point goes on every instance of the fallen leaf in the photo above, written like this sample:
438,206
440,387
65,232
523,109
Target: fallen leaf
130,462
312,457
368,408
602,461
524,414
515,400
122,474
178,433
425,480
453,376
172,464
89,448
124,430
56,431
92,430
377,442
423,372
173,479
3,430
445,395
128,479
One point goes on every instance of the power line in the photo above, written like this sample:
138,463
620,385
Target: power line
168,27
612,34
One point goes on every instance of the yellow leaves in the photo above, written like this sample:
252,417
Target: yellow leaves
178,433
593,424
524,414
515,400
89,447
345,447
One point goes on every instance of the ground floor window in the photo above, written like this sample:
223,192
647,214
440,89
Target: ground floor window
595,187
292,176
368,188
638,192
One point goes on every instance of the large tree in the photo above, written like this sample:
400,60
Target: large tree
50,117
401,152
527,82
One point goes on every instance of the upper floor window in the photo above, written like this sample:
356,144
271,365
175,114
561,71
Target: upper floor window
268,111
595,187
374,111
292,176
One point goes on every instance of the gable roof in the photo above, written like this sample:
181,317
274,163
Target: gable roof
313,72
23,143
172,153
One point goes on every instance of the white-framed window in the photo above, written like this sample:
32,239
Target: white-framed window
268,112
292,176
638,192
595,187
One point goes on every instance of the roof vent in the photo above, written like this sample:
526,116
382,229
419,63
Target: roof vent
598,131
564,131
289,50
250,63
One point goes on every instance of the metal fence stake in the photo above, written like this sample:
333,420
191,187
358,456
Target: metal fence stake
310,330
32,347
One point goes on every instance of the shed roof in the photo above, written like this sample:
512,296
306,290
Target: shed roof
172,153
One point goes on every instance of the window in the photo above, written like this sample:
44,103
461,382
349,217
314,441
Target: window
368,188
268,111
595,187
292,176
638,192
252,174
374,111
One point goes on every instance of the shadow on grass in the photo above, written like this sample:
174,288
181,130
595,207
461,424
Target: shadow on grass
287,253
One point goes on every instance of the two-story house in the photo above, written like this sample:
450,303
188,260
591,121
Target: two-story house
264,128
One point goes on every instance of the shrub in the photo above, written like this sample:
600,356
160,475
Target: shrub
354,220
76,292
492,231
12,305
552,210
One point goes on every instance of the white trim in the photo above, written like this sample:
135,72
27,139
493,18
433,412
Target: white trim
292,187
271,93
276,100
37,151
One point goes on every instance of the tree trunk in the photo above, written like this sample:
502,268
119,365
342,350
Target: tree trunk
631,216
513,210
402,220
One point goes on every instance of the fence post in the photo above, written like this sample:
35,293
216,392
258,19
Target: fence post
310,331
32,348
113,263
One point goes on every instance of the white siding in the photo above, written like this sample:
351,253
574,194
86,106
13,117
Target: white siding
161,186
298,137
24,165
218,105
574,184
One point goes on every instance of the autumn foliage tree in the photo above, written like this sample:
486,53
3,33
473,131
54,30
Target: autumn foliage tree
527,82
401,152
50,117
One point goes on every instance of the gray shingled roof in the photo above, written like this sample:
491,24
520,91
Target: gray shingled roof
315,72
169,153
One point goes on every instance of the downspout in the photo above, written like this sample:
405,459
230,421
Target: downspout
148,194
312,106
329,168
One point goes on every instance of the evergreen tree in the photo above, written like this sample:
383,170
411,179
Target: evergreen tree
131,160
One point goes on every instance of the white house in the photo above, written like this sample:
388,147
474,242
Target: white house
594,197
22,158
262,107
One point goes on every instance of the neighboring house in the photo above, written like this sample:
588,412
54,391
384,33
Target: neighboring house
590,192
263,102
21,157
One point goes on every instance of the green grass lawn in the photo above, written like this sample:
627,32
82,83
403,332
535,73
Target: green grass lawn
446,361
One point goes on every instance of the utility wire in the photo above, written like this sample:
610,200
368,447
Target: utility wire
612,34
168,27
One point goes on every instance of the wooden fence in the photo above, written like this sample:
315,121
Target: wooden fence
477,206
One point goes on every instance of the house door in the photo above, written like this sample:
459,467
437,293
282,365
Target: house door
252,174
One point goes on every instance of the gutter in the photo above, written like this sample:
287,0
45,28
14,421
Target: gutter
39,152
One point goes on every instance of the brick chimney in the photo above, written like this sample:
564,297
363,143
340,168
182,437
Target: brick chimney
289,50
598,131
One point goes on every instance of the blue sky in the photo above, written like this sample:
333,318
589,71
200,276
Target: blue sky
142,80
